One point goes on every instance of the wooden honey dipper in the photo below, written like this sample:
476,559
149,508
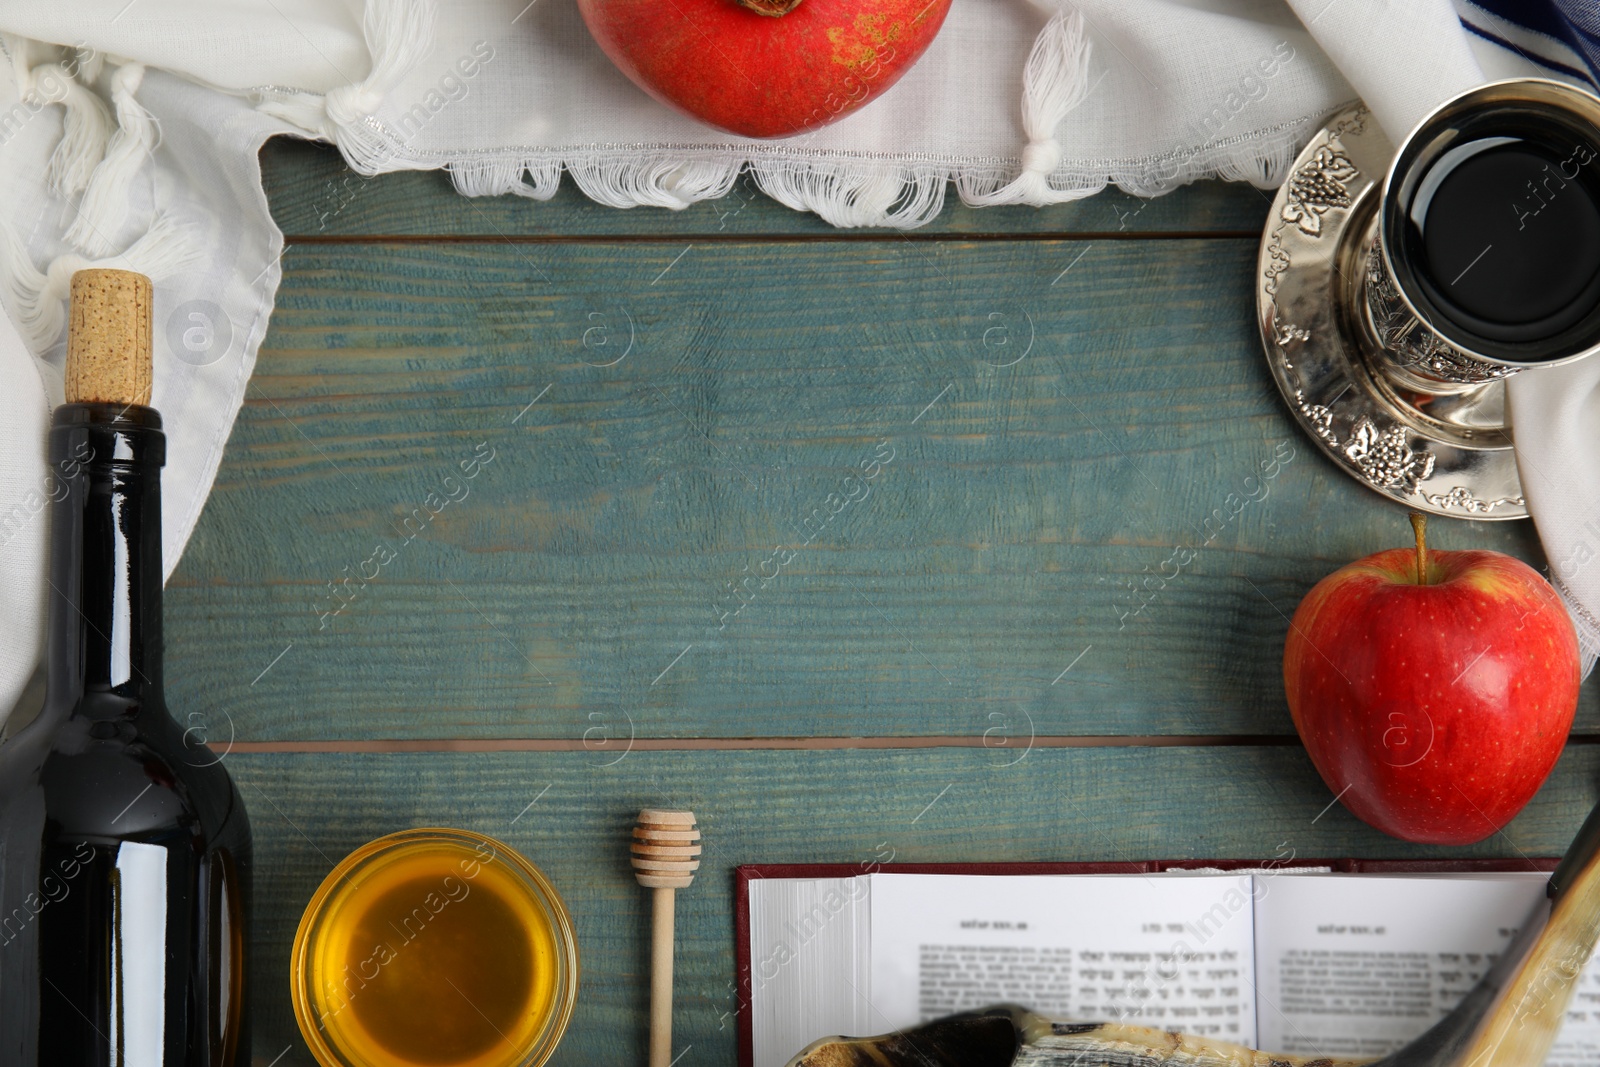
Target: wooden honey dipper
666,853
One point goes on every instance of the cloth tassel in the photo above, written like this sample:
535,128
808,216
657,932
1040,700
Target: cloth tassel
839,193
103,211
397,33
660,183
846,197
86,126
496,178
86,133
39,298
1055,81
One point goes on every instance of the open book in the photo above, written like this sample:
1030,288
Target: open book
1299,960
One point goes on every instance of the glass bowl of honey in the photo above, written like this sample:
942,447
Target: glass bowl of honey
434,948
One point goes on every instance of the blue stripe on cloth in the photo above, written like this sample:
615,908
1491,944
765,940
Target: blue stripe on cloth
1575,23
1537,15
1548,64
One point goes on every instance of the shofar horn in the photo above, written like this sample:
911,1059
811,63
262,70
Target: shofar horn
1510,1019
1008,1036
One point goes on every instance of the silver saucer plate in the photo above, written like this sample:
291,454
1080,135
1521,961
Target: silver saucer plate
1449,454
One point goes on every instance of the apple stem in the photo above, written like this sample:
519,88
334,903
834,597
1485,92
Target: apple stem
1419,524
770,8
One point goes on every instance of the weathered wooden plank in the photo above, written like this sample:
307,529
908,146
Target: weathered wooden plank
309,811
1039,442
313,194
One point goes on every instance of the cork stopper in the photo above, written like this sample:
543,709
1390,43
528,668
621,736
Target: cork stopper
666,849
108,338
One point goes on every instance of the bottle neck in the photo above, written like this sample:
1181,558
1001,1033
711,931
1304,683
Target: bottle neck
104,632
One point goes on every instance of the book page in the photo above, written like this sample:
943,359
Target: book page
808,963
1163,950
1357,965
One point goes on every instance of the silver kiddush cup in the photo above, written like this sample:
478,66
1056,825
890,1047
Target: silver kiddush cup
1486,258
1397,287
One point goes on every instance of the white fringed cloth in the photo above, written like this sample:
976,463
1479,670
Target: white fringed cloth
129,131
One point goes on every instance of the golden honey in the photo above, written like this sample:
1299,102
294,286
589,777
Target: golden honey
434,948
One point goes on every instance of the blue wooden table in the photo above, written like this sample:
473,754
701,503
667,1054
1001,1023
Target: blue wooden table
540,513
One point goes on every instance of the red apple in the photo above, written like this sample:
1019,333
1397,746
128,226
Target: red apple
764,68
1433,690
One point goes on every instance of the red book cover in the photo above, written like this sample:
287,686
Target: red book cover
743,876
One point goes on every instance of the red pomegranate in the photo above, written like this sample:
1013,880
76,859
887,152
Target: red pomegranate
764,68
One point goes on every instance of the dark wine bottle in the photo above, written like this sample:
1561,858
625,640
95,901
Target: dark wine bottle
124,844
